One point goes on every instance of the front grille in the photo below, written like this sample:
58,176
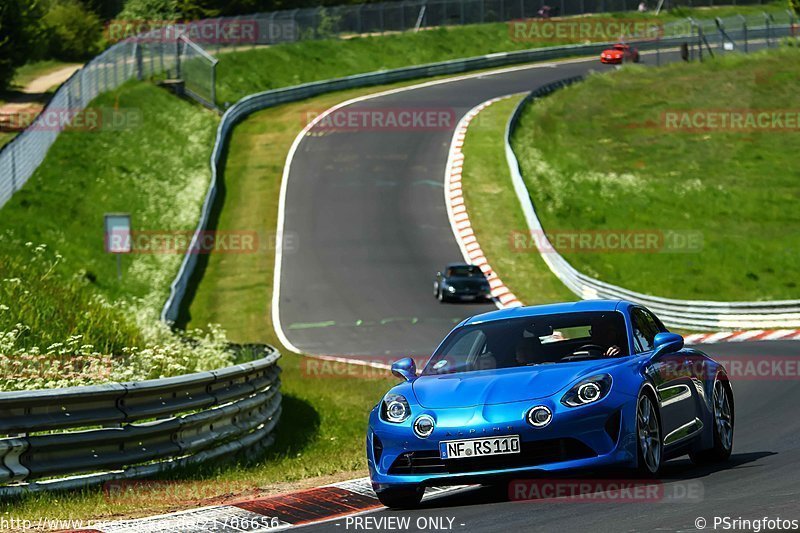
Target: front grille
377,448
532,454
612,426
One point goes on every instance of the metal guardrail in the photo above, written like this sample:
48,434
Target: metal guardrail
135,429
690,314
259,101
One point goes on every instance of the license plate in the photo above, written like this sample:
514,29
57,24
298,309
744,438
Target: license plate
468,297
460,449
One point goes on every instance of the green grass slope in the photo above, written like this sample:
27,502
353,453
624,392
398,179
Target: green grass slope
598,157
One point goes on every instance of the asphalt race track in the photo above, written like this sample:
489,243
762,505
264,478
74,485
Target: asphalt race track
762,478
367,227
370,234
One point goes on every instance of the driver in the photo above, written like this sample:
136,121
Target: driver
604,335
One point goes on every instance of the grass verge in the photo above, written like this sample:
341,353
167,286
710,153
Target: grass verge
495,213
599,158
60,296
154,166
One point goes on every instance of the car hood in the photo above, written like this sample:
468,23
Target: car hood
489,387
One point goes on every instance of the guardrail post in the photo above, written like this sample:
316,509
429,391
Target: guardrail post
744,31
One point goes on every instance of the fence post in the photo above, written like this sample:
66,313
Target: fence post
13,150
139,64
214,84
178,74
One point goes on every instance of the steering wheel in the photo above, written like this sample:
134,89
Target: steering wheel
589,348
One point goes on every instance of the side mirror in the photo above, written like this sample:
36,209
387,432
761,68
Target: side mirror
666,342
406,369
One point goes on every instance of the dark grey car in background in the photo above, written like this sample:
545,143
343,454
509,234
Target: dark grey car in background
461,282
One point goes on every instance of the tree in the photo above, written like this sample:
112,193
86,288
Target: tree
21,34
199,9
74,31
794,5
151,10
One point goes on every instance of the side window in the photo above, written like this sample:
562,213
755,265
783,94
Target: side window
644,329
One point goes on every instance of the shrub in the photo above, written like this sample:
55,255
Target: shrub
150,10
74,32
57,332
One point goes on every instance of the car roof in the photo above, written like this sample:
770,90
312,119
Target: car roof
450,265
550,309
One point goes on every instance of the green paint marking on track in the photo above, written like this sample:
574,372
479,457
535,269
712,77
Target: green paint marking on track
432,183
360,323
312,325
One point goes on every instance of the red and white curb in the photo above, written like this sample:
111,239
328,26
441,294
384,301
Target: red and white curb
742,336
457,211
273,513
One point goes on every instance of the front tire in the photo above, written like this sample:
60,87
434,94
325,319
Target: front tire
648,436
723,428
401,498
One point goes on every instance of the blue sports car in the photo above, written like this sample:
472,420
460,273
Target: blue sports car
548,389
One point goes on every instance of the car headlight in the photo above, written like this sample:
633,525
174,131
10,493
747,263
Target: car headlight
588,391
395,409
450,288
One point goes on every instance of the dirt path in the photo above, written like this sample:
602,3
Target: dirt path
51,79
28,102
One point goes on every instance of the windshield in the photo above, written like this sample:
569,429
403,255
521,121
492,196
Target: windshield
464,271
529,341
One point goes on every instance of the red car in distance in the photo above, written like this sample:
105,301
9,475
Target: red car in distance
619,53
